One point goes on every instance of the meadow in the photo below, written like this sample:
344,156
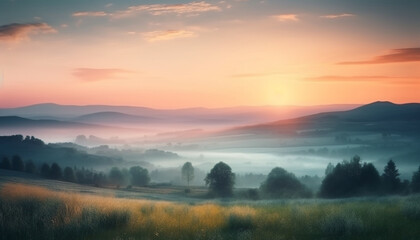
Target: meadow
33,212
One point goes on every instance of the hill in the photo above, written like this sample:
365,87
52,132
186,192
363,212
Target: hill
381,117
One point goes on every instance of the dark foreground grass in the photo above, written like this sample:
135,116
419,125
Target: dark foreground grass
35,213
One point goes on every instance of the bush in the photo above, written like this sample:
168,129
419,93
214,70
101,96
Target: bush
282,184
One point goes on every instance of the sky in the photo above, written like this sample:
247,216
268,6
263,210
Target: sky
181,53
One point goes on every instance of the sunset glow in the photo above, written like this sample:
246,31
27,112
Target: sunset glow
176,54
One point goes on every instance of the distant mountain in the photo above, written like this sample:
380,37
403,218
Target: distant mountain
19,122
110,118
375,117
121,115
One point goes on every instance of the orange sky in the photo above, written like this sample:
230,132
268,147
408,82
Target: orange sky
211,54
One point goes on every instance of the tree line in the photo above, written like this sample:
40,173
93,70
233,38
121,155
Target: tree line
346,179
134,176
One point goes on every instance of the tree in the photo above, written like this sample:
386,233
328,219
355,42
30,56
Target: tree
188,172
55,172
349,179
5,163
329,169
17,163
116,177
68,174
282,184
99,179
415,181
139,176
391,181
369,178
221,180
30,167
45,170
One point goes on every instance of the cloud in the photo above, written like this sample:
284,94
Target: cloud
366,78
192,8
90,14
19,31
395,56
99,74
155,36
334,16
286,17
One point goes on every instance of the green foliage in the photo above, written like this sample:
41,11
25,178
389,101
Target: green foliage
5,163
390,181
55,171
221,180
139,176
30,167
116,177
45,170
349,179
282,184
47,219
68,175
17,163
49,216
415,181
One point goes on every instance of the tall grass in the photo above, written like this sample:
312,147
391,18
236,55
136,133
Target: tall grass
28,212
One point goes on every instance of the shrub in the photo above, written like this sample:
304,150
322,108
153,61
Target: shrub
282,184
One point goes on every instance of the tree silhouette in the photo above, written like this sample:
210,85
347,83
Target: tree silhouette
415,181
221,180
55,172
68,174
5,163
45,170
17,163
188,172
139,176
116,177
30,167
282,184
351,179
329,169
391,181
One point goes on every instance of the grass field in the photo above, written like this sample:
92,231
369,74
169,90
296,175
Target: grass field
32,212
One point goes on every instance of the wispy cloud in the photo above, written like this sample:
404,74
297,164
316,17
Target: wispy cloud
90,14
19,31
366,78
155,36
333,16
395,56
99,74
286,17
192,8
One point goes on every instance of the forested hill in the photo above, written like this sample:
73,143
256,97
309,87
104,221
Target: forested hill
39,152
